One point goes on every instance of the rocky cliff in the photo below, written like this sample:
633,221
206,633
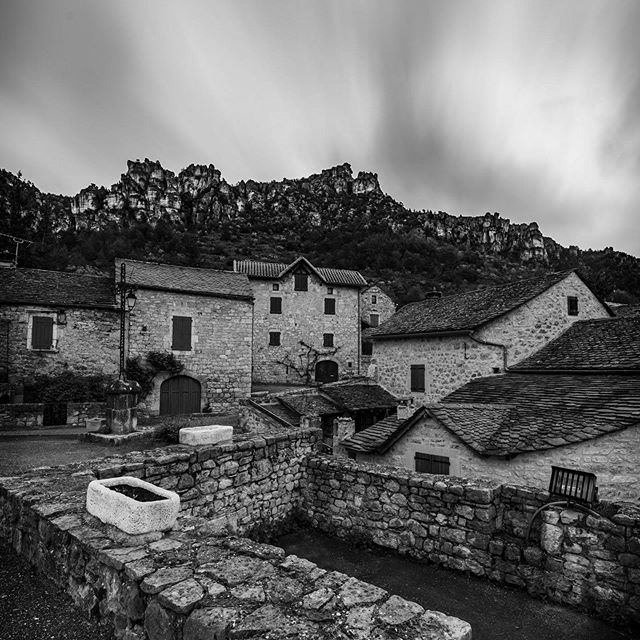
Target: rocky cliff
294,215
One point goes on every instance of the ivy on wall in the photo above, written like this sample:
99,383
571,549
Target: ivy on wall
144,370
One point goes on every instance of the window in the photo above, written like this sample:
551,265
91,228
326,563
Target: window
330,306
374,299
330,290
276,286
367,348
374,319
417,377
275,305
301,282
42,332
327,339
429,463
181,333
572,305
274,338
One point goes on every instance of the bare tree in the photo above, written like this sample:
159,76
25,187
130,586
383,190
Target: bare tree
304,362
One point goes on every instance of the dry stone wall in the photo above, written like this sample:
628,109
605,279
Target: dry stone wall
29,415
480,527
197,581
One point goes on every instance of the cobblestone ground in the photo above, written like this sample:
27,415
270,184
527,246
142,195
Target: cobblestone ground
494,612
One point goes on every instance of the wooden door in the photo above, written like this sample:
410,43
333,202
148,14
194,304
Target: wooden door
180,394
326,371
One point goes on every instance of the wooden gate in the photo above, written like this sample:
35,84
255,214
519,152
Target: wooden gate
180,394
326,371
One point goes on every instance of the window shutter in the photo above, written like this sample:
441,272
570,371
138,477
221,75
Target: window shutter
429,463
330,306
301,282
374,319
42,332
274,338
367,348
275,305
327,339
572,305
417,377
181,333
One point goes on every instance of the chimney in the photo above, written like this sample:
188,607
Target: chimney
406,408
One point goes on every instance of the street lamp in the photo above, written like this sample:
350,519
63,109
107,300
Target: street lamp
127,303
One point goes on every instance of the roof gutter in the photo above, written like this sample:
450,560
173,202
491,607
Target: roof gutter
486,343
424,334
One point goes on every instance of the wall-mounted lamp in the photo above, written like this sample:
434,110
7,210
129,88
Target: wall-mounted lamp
61,317
131,300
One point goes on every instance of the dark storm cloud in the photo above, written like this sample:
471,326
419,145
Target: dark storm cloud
530,109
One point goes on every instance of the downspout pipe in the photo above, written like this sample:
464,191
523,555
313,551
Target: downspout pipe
486,343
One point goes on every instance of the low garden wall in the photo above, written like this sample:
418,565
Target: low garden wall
480,527
197,581
30,415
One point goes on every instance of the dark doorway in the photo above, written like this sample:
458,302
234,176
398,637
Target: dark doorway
326,371
54,414
180,394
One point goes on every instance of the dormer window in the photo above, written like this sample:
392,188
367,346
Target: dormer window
301,282
572,305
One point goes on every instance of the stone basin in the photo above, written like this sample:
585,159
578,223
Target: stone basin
128,514
207,434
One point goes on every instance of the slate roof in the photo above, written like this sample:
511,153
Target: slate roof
276,270
169,277
514,413
360,396
465,312
606,344
627,310
56,289
310,403
370,439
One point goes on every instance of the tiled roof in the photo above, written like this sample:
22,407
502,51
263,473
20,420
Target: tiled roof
627,310
275,270
56,289
465,311
369,439
608,344
277,409
360,396
169,277
310,404
514,413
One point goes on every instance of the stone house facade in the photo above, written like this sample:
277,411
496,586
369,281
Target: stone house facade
306,321
52,322
574,404
430,348
201,316
376,307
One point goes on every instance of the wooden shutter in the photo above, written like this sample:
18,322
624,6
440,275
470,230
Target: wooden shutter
330,306
42,332
275,305
374,319
301,282
274,338
181,333
327,339
417,377
429,463
367,348
572,305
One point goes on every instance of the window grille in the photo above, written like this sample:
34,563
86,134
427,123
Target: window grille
579,486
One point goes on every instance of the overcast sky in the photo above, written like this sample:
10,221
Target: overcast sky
528,108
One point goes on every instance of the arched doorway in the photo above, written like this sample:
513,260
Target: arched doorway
180,394
326,371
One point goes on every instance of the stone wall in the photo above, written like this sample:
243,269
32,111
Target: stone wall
197,581
480,527
87,342
612,457
384,306
220,355
29,415
451,362
303,318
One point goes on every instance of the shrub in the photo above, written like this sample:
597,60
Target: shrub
67,387
144,371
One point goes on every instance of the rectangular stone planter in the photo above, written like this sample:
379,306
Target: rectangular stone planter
208,434
128,514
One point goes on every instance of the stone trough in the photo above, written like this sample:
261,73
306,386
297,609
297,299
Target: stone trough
205,435
132,505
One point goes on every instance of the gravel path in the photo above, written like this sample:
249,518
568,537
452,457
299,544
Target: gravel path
33,608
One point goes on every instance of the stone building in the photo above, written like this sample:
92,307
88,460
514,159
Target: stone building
430,348
201,316
575,403
306,321
376,307
53,321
